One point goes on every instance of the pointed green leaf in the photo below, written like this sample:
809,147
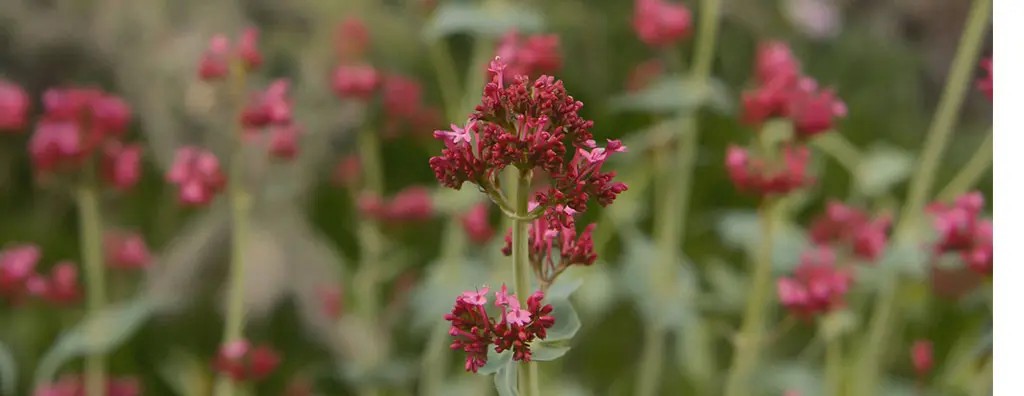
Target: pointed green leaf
881,168
495,361
506,380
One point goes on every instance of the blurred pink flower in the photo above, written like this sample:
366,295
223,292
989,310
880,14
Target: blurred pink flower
14,106
356,81
984,83
244,363
121,165
530,55
197,174
74,124
351,39
843,225
126,250
817,286
73,385
962,230
269,107
760,177
921,357
659,23
17,266
476,224
60,288
284,142
216,60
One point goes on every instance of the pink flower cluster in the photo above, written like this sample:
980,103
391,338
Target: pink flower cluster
764,177
74,385
243,362
271,110
219,56
783,91
553,247
530,55
14,106
660,23
962,230
351,39
817,286
529,125
984,83
476,224
126,251
19,278
475,331
413,204
846,226
197,174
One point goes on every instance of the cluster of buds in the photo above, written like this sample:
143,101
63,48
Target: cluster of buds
961,230
126,251
660,23
74,385
20,279
817,287
530,55
547,239
14,106
197,174
514,329
271,111
984,83
780,164
851,228
242,362
219,56
476,224
412,204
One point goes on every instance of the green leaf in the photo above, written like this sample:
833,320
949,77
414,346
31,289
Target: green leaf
495,361
672,306
483,18
506,380
567,322
676,94
881,168
8,371
563,287
545,351
741,229
98,333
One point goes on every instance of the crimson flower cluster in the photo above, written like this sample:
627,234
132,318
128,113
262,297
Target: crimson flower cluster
242,362
198,175
20,279
764,176
412,204
14,106
515,327
271,110
817,286
74,385
984,83
476,224
219,56
555,247
126,250
846,226
661,23
961,230
530,55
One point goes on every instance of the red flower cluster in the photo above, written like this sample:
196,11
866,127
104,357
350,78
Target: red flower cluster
402,101
528,56
765,177
14,105
242,362
73,385
546,239
961,230
19,278
75,124
197,174
351,39
476,225
660,23
59,288
921,357
357,81
528,125
817,286
412,204
126,251
984,84
216,61
852,227
475,331
271,110
783,91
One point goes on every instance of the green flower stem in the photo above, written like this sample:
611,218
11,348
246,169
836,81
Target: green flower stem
434,363
90,233
751,336
834,366
870,362
969,175
528,381
674,205
240,203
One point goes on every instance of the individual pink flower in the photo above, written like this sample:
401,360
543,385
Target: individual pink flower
413,204
474,331
812,111
126,251
356,81
244,363
61,287
284,142
775,62
17,266
984,83
476,224
961,230
351,39
763,178
214,63
530,55
248,49
197,174
817,285
921,357
14,106
74,124
270,107
121,166
73,385
660,23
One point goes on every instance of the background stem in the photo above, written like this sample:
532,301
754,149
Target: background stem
371,242
90,234
528,381
971,173
435,361
834,366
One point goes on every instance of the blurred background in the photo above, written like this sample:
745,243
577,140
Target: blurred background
886,59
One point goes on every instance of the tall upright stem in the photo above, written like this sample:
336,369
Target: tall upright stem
834,366
750,339
528,382
90,233
371,242
674,205
434,363
870,361
969,175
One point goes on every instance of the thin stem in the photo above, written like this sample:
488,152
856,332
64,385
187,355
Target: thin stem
371,242
837,147
528,381
750,339
440,55
434,363
871,362
971,172
90,233
834,366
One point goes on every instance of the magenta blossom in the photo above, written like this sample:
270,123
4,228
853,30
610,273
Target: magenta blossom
660,23
126,251
962,230
817,287
530,55
846,226
14,106
764,178
17,266
197,174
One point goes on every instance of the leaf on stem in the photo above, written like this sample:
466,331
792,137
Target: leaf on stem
881,168
481,18
676,94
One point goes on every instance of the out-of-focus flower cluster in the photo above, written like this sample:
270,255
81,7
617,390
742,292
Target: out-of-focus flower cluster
529,55
14,107
475,331
412,204
126,251
847,227
20,279
243,362
817,286
74,385
660,23
962,231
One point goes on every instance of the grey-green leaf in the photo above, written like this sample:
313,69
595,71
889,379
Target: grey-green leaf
495,361
567,322
545,351
8,371
505,380
882,168
673,94
482,18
